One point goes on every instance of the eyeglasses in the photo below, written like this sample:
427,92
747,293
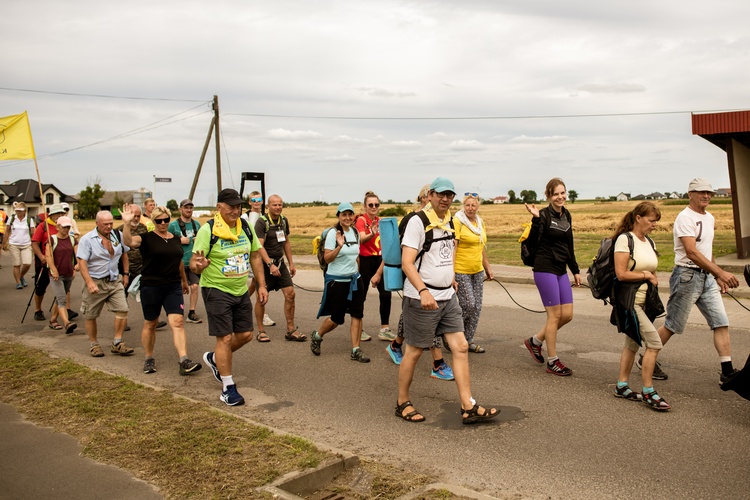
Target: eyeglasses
472,194
445,194
161,221
373,205
256,200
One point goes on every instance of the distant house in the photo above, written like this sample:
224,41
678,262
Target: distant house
113,200
623,197
723,193
638,197
655,196
500,199
674,195
27,191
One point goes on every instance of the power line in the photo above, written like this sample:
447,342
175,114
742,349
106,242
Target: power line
508,117
103,96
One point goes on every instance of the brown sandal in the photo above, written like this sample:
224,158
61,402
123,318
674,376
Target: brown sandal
299,337
412,416
262,337
55,325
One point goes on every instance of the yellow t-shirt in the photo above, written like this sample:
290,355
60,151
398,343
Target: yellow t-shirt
469,249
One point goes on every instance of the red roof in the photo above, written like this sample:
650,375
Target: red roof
721,123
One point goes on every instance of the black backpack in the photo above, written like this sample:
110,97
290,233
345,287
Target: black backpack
530,244
601,274
183,227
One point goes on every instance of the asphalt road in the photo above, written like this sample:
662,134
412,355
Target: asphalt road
556,438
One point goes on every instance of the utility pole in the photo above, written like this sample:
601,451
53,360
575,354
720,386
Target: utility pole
212,128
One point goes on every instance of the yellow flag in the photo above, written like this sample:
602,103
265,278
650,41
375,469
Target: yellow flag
15,138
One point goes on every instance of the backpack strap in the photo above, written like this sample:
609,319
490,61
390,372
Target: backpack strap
214,238
429,238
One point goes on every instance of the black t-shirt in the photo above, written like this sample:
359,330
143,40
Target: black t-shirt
162,260
274,248
555,249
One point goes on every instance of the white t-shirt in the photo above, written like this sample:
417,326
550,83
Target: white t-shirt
251,217
20,236
699,226
645,258
436,265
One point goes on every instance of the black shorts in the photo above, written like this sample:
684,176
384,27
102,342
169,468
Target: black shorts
227,314
336,301
42,281
153,298
274,283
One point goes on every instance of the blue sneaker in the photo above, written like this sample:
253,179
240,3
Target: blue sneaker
208,357
24,283
444,372
396,354
231,397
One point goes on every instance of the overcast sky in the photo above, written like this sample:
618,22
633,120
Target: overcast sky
370,93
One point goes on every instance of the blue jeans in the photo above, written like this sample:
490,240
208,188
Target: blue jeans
688,286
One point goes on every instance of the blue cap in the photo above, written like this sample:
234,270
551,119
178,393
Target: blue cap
441,185
344,206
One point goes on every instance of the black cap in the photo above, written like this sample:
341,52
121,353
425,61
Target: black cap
230,197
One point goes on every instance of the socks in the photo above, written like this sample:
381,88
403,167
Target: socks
437,362
395,345
551,360
116,341
621,385
726,365
536,341
227,381
648,390
183,358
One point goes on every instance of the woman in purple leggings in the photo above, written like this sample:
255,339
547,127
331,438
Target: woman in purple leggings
552,225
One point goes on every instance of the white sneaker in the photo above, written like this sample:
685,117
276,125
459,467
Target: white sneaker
364,337
268,321
386,334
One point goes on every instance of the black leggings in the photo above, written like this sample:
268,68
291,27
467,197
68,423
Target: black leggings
368,266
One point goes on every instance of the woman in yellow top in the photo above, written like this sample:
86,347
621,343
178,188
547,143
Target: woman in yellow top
471,265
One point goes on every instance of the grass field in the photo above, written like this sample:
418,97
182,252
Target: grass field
592,221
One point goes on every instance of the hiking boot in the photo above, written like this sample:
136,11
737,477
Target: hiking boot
535,350
161,324
725,378
386,334
96,351
231,397
364,337
208,357
358,355
267,321
443,372
121,349
396,354
315,341
39,316
193,318
187,367
72,314
658,373
558,368
149,366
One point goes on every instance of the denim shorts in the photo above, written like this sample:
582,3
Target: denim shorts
688,286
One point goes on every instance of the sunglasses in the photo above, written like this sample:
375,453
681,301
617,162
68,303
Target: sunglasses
373,205
161,221
256,200
471,194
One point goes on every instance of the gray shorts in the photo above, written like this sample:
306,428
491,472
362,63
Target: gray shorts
192,278
421,326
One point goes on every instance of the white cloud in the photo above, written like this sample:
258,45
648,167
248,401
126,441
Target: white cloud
337,159
463,145
280,134
406,144
525,139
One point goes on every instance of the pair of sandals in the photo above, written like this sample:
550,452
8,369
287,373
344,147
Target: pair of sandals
470,416
54,325
292,336
473,347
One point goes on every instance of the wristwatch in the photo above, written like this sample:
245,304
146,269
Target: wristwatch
269,264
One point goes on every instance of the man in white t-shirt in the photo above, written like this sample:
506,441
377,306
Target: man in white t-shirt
696,279
430,307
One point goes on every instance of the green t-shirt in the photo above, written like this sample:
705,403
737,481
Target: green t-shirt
174,228
230,261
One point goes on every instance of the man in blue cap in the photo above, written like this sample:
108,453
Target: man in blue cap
430,306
